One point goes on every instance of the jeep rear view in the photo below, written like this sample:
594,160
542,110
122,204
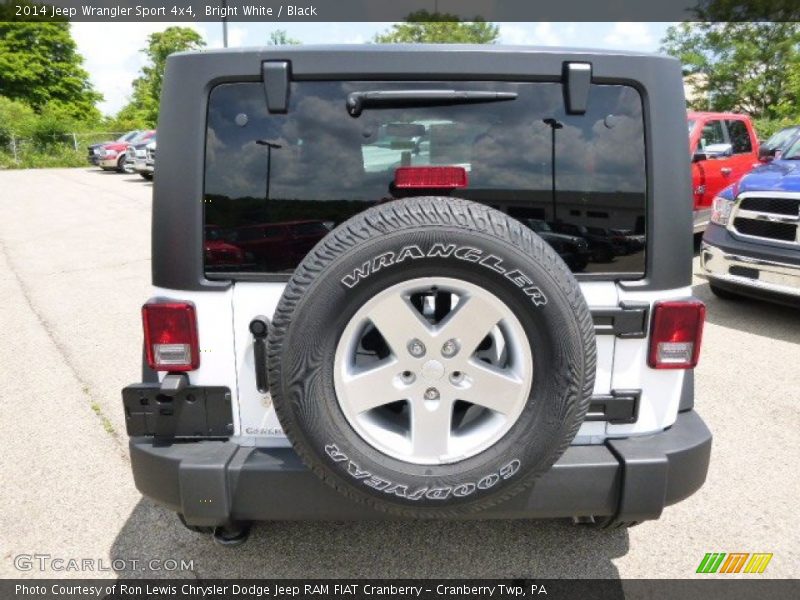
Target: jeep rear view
419,282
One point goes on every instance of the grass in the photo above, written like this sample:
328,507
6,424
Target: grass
99,412
106,423
44,158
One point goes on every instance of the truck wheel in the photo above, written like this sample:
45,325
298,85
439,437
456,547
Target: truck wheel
603,255
431,357
121,164
579,264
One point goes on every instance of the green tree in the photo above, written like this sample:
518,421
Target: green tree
143,107
40,64
439,28
16,119
279,37
743,66
53,125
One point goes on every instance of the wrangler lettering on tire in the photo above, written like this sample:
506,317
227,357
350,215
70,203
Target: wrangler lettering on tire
431,357
466,253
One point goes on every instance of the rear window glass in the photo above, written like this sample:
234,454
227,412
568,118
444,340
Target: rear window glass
276,184
740,137
712,134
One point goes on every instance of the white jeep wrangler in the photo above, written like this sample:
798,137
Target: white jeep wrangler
353,316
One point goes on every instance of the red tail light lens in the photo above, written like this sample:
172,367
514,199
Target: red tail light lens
170,336
676,334
430,177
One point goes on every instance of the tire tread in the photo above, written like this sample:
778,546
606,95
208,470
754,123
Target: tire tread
421,212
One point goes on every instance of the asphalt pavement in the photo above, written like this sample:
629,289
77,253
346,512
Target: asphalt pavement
74,271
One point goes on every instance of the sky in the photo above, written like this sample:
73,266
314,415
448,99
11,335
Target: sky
113,57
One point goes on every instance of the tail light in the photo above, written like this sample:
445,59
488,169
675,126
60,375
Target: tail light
430,177
676,333
170,336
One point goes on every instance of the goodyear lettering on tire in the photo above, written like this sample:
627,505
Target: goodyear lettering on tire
400,490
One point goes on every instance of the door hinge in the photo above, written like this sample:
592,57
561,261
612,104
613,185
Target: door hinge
619,407
628,320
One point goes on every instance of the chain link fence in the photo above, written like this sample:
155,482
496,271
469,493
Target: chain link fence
51,150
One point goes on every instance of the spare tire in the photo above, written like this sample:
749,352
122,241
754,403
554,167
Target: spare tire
431,357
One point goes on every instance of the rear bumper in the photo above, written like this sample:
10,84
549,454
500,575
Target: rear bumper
751,269
214,482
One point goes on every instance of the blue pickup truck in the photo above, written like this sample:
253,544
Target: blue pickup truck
752,245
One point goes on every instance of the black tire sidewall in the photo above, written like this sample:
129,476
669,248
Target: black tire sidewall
310,413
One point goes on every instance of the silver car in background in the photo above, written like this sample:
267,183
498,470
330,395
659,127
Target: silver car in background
145,160
140,157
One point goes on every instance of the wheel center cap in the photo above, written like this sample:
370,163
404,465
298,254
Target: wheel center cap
433,370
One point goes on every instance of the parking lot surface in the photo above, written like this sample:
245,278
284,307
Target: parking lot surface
74,271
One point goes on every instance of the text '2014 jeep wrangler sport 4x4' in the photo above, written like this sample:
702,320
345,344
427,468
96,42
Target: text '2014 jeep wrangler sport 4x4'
378,330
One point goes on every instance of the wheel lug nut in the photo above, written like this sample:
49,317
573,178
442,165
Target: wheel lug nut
450,348
416,348
431,394
456,377
407,377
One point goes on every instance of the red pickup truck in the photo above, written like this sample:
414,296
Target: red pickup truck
723,147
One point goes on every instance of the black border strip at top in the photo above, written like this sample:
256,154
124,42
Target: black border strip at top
399,10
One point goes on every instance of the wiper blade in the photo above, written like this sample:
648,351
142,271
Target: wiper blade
358,101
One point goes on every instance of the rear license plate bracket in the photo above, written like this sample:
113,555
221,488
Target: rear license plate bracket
193,412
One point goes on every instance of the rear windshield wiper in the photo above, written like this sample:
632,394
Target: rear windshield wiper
358,101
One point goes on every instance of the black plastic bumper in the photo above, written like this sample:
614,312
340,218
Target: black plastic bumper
214,482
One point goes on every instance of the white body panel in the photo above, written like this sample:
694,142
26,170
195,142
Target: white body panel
661,388
258,424
214,318
599,294
228,360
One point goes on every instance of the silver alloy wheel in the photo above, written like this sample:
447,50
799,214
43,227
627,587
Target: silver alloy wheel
433,370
